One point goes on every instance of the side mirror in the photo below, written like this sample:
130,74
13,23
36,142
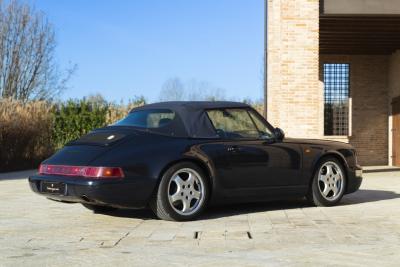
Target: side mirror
279,134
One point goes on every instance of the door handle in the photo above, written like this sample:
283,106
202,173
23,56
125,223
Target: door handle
233,149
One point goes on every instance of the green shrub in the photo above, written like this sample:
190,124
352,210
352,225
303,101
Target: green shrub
75,118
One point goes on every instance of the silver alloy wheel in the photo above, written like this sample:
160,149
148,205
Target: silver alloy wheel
330,180
186,191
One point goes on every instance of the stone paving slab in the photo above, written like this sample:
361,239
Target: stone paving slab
363,231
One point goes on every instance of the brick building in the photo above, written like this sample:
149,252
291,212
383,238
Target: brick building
333,72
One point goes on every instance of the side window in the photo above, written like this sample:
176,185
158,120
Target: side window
233,123
262,127
152,118
156,120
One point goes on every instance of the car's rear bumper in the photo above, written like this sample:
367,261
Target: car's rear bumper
125,193
354,180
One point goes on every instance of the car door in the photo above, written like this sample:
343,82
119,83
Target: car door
284,159
256,163
253,157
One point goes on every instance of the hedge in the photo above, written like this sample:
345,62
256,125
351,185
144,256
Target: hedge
31,132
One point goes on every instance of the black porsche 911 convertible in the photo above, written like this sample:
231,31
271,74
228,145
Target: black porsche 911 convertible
179,157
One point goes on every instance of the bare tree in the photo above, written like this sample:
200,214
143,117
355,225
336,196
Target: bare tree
172,90
196,90
28,69
215,94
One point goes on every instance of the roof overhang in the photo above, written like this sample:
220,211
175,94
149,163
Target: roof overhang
366,7
359,34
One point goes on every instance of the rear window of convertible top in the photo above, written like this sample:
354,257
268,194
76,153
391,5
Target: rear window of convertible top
151,118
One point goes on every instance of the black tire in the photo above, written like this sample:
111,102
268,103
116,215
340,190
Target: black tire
98,209
160,203
315,196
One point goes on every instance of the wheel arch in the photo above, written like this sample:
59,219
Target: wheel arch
206,169
328,154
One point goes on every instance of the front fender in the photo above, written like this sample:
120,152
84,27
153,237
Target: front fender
333,153
313,154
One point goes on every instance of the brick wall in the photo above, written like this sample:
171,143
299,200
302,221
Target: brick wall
294,97
369,95
295,93
394,75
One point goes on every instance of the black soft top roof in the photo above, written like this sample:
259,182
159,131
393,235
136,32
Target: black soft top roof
192,105
191,118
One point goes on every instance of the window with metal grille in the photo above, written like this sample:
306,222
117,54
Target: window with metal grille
336,99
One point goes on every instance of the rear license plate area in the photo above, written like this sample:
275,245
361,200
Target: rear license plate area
54,188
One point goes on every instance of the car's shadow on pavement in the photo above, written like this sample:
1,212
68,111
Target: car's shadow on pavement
214,212
217,211
366,195
247,208
143,214
359,197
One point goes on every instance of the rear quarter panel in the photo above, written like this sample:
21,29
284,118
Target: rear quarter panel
145,155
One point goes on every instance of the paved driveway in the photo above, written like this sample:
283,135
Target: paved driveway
364,230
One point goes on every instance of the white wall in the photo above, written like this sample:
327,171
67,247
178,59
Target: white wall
394,91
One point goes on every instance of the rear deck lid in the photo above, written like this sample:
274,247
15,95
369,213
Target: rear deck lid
82,151
101,137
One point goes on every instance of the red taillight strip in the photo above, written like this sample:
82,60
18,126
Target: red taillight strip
82,171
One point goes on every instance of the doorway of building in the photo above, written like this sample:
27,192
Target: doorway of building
396,131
